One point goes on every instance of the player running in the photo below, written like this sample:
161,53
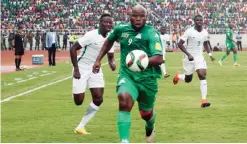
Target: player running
165,41
230,46
136,86
193,60
90,45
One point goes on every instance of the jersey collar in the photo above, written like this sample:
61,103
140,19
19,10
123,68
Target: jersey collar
196,29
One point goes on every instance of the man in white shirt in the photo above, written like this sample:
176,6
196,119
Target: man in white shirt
51,45
239,41
196,38
90,45
165,39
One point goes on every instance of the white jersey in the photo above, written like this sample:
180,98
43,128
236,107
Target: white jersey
164,38
91,44
195,41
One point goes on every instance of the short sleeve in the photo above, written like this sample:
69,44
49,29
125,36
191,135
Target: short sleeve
155,45
85,40
114,35
186,35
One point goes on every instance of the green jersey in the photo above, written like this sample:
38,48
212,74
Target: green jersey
229,33
147,39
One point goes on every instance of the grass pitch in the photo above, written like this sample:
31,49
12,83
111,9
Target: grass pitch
50,115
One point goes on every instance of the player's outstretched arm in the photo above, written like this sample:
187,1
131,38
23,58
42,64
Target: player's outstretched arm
156,60
206,47
181,46
73,56
105,48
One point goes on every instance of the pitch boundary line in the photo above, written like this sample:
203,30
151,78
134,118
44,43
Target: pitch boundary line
38,88
31,78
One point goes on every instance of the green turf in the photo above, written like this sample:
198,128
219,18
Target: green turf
49,114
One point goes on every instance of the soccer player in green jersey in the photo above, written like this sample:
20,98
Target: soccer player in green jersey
230,46
135,86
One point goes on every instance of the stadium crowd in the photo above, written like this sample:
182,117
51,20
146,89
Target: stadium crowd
78,16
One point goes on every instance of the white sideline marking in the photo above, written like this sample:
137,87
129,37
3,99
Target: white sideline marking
47,74
20,80
38,88
26,79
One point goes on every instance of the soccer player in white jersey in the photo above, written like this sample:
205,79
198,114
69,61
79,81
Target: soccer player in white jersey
165,41
197,38
90,45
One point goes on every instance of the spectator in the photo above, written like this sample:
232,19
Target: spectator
239,41
217,47
51,45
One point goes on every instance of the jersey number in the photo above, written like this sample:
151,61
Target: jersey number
130,41
199,43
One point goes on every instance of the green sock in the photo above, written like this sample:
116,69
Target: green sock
124,122
223,57
150,124
235,57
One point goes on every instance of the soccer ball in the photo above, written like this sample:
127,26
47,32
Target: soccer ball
137,60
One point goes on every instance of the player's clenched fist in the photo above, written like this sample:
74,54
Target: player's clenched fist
77,74
190,57
96,66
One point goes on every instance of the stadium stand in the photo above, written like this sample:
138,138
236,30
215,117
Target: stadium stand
78,16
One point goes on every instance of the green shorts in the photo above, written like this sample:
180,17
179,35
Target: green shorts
143,91
230,46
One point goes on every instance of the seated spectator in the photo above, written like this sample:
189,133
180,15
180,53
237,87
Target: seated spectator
217,47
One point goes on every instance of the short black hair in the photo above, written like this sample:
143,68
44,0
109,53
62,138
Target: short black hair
104,15
196,16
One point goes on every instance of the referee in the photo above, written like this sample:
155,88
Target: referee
17,44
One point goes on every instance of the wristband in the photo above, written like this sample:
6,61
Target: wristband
210,54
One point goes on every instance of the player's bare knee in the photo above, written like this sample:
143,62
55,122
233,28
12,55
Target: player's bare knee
125,102
146,115
78,98
124,105
98,101
188,78
202,76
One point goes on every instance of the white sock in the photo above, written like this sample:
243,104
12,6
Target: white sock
204,88
91,111
163,68
181,76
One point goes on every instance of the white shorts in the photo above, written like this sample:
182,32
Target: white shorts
88,78
191,66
